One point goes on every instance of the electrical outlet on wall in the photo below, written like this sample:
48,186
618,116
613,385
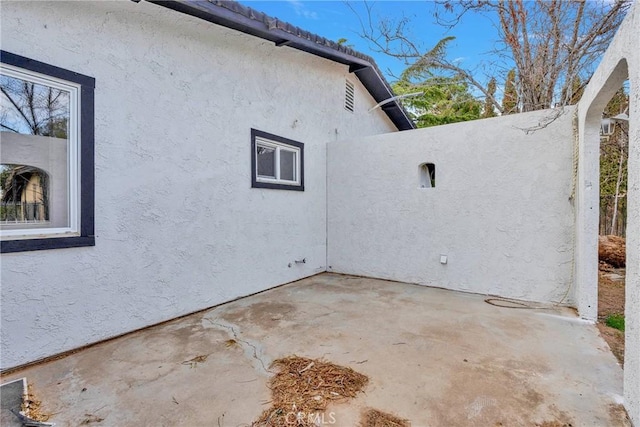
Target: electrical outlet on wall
443,259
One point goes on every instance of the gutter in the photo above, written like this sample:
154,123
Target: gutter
232,14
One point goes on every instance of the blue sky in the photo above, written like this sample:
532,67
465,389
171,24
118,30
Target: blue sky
475,34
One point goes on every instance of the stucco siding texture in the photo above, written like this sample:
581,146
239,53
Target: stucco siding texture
500,209
178,226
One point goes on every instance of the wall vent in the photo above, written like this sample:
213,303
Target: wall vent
349,96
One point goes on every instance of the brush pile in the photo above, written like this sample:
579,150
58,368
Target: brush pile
302,388
612,250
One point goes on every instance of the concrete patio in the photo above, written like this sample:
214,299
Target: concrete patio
435,357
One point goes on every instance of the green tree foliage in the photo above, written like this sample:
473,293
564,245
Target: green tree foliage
488,110
344,42
445,99
510,98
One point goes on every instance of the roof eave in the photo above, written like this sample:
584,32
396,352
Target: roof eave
364,68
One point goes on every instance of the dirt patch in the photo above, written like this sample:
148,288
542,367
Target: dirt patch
615,340
611,300
303,388
611,290
611,296
375,418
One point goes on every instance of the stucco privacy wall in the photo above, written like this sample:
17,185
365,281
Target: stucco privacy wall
500,210
178,227
621,61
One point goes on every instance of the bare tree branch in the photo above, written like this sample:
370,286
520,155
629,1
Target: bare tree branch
554,44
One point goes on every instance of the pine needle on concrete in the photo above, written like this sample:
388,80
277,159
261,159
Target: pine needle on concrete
376,418
31,407
302,388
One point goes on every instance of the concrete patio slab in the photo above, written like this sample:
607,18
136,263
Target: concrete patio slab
435,357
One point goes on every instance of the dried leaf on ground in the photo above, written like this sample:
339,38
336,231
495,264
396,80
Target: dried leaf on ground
31,407
90,419
194,362
376,418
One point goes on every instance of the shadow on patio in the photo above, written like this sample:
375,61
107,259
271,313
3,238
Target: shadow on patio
435,357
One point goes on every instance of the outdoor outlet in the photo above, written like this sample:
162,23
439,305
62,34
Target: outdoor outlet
443,259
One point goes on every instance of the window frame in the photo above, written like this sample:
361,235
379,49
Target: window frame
81,174
260,138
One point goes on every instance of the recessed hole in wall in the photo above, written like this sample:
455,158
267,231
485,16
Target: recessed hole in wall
427,175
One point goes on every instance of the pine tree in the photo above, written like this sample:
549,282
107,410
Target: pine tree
510,99
488,103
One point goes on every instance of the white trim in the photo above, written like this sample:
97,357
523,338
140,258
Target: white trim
278,146
73,157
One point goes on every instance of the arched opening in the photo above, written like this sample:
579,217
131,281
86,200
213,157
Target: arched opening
427,173
24,195
614,150
591,109
607,80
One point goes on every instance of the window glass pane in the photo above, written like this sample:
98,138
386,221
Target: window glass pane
34,151
266,161
287,165
25,194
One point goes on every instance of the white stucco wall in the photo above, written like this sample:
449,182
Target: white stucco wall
500,209
178,227
621,61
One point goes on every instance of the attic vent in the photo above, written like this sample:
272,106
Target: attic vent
349,96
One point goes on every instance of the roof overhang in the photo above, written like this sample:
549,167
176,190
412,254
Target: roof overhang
233,15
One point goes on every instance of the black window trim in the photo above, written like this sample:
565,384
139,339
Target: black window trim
86,151
271,185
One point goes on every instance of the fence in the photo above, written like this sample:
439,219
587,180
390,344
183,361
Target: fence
11,212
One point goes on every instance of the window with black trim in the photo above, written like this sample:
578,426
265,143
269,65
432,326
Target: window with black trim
46,156
276,162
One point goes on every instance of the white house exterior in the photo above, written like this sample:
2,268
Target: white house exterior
188,104
178,226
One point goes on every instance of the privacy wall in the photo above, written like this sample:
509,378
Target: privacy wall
498,221
178,226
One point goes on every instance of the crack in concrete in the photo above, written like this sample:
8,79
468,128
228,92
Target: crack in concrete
252,349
